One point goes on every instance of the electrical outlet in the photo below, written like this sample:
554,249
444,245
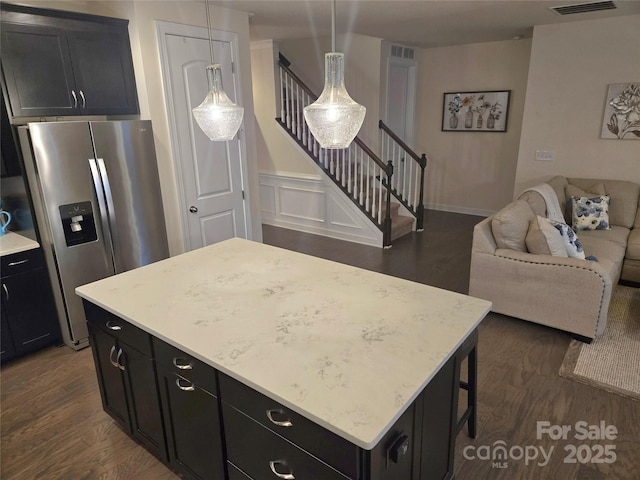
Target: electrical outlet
544,155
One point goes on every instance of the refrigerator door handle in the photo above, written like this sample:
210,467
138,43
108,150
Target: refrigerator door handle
111,212
104,215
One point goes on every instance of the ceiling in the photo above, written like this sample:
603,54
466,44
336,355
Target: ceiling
420,23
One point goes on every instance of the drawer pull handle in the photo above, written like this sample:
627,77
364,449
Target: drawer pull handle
280,423
180,363
186,388
19,262
113,326
113,362
286,476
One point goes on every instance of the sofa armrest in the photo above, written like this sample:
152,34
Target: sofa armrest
560,262
483,240
565,293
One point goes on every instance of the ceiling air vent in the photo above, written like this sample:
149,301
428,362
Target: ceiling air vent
584,7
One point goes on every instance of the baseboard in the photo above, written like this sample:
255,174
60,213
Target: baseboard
479,212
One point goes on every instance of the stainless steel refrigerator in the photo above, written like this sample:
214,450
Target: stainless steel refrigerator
97,202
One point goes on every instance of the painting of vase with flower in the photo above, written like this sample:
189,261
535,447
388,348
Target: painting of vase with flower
475,111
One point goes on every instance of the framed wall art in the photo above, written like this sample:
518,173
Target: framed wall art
622,112
475,111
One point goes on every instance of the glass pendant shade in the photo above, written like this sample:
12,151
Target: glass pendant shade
334,119
217,116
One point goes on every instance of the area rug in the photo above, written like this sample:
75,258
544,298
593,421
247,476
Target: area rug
612,361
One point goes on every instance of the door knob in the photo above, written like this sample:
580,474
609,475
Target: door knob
193,209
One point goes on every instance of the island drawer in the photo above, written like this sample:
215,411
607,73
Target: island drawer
186,366
261,454
310,436
118,328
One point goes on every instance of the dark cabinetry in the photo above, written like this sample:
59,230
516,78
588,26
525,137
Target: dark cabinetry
29,319
127,377
191,413
216,427
57,63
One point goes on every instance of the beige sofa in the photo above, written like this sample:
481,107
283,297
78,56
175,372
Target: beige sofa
569,294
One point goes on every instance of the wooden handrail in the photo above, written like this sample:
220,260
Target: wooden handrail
297,79
399,141
311,93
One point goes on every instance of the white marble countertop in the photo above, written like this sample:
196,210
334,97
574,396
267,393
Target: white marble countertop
347,348
13,242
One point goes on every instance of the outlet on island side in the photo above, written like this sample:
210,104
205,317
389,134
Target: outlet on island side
545,155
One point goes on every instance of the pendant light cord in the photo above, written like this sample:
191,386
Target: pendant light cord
333,26
206,4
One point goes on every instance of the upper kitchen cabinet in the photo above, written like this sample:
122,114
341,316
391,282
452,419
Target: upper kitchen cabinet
58,63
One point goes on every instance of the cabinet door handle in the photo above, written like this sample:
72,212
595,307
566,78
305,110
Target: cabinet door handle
113,326
19,262
118,363
286,476
182,364
187,386
83,99
6,291
280,423
75,99
113,362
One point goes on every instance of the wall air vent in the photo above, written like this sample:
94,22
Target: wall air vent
402,52
584,7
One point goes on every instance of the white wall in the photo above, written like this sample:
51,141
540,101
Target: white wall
571,66
470,172
276,151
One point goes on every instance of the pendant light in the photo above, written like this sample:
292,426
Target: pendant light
217,116
334,119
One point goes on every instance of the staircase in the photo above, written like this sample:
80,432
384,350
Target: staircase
379,189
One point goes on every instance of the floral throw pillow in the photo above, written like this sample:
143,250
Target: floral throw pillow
571,241
590,213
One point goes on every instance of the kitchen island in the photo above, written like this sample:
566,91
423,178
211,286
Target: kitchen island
298,367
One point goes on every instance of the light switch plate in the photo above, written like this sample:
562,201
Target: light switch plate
545,155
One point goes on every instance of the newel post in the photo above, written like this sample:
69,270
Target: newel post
386,225
420,209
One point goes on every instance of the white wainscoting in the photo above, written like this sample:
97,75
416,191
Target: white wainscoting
314,204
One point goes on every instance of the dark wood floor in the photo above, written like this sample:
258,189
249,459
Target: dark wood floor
53,427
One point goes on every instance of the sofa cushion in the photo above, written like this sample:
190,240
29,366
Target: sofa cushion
511,224
633,245
609,254
617,235
595,189
590,213
624,198
544,239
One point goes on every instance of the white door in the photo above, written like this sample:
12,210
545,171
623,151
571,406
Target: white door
401,98
210,173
